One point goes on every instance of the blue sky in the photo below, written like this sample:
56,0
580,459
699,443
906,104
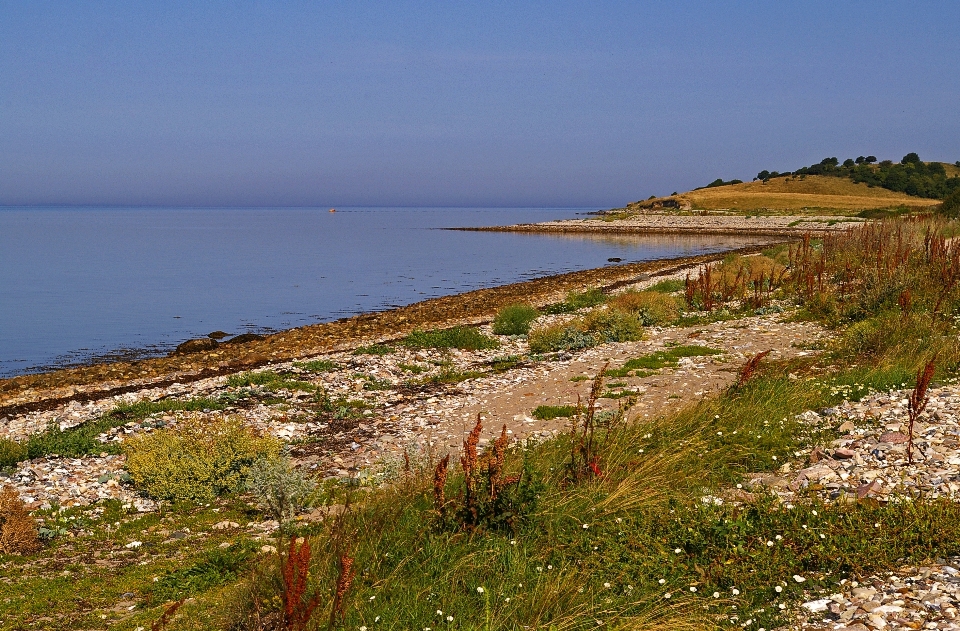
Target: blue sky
463,104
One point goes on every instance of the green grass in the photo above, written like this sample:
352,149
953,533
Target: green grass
668,286
460,337
668,357
415,369
374,349
598,551
271,381
317,365
550,412
577,300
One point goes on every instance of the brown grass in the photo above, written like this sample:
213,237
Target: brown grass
18,530
795,194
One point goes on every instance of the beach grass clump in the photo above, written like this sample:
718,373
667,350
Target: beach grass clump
317,366
271,381
18,528
652,307
550,412
669,357
667,286
11,452
570,336
576,300
514,320
374,349
613,325
196,460
450,375
466,338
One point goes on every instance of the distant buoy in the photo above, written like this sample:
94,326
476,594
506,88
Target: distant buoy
333,210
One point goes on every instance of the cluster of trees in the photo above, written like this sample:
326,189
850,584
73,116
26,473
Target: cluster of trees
720,182
911,175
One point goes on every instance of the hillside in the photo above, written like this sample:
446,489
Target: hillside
813,192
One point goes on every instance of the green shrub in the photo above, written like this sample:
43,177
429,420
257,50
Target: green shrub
196,461
668,357
613,325
550,412
11,452
578,300
281,490
560,337
951,205
653,308
514,320
463,337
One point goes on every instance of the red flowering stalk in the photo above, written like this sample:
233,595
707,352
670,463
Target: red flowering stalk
918,401
296,609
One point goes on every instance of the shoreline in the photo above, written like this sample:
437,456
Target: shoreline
40,391
774,226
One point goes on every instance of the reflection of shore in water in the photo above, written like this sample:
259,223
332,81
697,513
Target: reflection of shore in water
685,241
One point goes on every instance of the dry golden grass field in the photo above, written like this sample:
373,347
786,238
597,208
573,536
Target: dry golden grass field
812,192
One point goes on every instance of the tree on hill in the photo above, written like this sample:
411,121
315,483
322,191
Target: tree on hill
951,205
911,175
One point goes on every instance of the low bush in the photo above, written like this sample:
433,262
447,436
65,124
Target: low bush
578,300
514,320
18,529
560,337
465,338
653,308
11,452
281,490
951,205
196,461
613,325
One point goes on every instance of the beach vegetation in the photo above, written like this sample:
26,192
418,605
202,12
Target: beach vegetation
514,320
613,325
667,286
196,460
317,365
374,349
550,412
577,300
466,338
570,336
18,528
653,308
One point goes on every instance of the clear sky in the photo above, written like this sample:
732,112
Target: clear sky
466,104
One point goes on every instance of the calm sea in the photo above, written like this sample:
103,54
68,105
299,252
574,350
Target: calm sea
89,284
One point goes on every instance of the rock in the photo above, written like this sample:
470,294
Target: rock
196,346
225,525
869,489
243,338
846,426
843,453
218,335
894,438
816,606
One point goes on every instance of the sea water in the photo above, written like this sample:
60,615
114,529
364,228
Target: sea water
91,284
